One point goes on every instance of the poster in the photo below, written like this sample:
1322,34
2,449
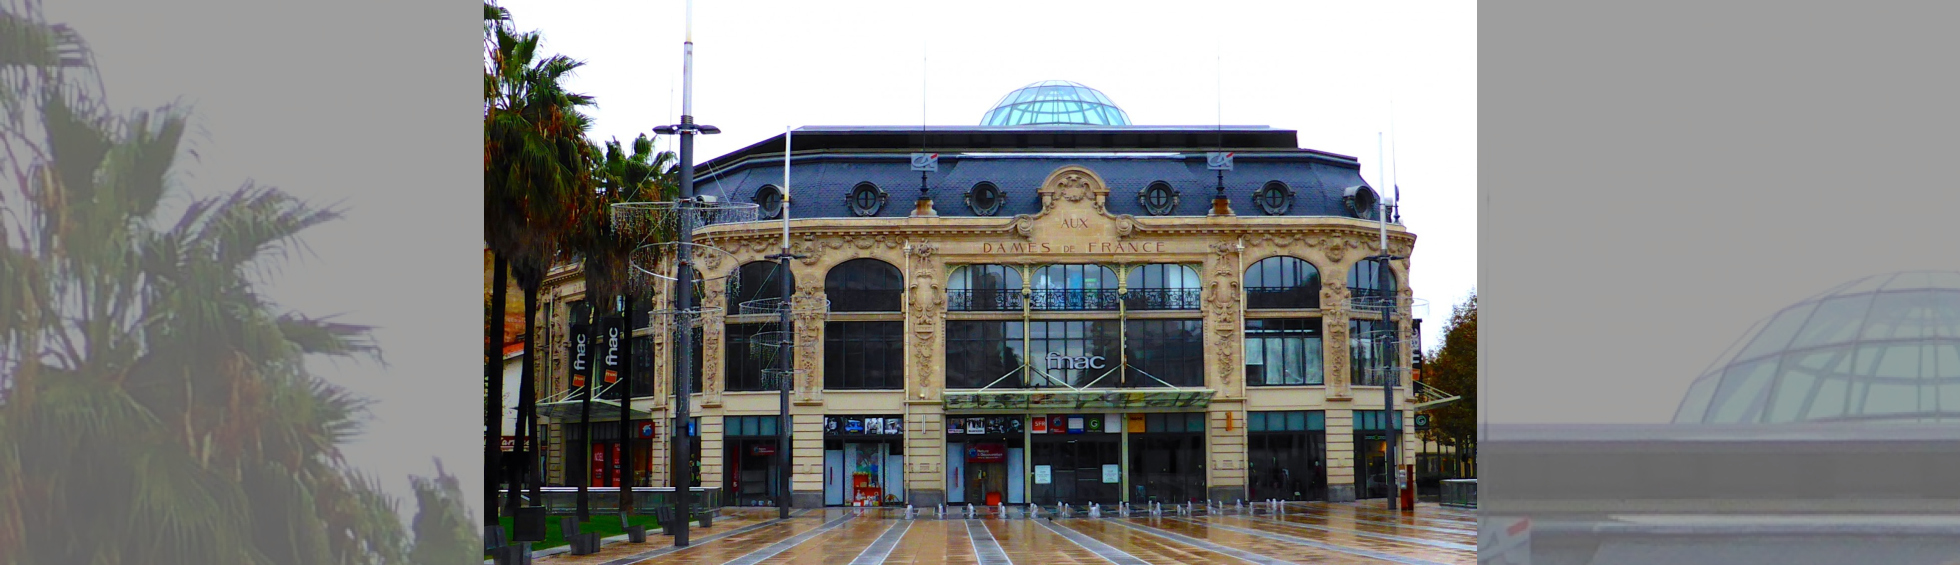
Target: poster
1075,424
976,426
1041,475
874,426
894,427
1112,474
1039,425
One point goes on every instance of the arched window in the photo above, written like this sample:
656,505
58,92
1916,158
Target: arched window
1282,282
983,288
1162,287
1074,287
756,280
864,285
1371,278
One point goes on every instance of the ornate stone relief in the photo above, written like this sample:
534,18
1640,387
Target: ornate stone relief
1334,324
809,319
1222,297
712,330
927,303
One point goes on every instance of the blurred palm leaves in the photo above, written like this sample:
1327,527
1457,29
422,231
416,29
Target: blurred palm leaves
154,404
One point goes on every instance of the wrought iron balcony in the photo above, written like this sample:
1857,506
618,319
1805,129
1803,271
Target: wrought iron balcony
1074,299
1161,299
991,300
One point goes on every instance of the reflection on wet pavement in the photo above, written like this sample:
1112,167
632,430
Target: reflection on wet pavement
1305,533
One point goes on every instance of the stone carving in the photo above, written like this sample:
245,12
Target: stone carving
1334,298
928,301
1336,248
809,318
1074,187
1221,297
1126,225
1024,225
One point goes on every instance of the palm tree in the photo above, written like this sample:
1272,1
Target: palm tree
536,163
605,255
156,406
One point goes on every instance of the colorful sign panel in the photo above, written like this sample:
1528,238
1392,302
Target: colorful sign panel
986,453
1084,400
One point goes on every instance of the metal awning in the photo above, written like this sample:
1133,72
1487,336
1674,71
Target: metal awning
602,411
1022,399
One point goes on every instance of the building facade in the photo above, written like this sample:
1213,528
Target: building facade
1054,314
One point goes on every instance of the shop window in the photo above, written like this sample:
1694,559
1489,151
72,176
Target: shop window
1283,351
1076,353
742,365
864,355
983,288
1282,282
1162,287
756,280
1371,352
1074,287
1371,279
984,354
1165,353
864,285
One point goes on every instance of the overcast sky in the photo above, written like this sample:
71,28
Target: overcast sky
1331,71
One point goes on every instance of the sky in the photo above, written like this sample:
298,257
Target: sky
1346,76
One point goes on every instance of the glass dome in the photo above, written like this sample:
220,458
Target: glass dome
1055,103
1881,348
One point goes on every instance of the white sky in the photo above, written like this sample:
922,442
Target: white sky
1330,71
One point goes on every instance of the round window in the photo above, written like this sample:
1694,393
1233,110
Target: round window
867,199
1158,199
1274,199
769,199
985,199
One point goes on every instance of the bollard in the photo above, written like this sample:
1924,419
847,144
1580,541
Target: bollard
1001,510
909,513
1094,510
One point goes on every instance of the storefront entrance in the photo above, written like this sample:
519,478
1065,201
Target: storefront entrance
985,461
1286,455
750,460
1167,458
864,461
1077,467
1372,435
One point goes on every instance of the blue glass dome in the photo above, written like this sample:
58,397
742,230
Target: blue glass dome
1878,349
1055,103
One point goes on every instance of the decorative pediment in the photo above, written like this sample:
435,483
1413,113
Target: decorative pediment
1074,207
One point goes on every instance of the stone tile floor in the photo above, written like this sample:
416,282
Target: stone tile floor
1305,533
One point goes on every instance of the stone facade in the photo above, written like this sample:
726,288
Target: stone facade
1073,226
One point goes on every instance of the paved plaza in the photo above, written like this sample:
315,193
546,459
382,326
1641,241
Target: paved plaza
1302,533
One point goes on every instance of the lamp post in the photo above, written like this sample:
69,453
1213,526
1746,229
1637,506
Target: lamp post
684,284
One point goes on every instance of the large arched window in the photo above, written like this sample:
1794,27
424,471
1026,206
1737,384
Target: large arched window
1371,278
1073,287
865,354
757,280
1282,282
864,285
983,288
1162,287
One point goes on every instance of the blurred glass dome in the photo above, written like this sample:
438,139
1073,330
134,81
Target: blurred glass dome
1055,103
1879,349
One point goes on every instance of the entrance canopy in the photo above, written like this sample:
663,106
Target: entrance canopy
602,411
1077,399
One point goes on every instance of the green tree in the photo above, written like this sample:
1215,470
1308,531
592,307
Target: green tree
154,405
1453,369
536,166
443,530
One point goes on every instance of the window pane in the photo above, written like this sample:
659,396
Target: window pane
1296,421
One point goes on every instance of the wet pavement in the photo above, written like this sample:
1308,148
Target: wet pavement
1305,532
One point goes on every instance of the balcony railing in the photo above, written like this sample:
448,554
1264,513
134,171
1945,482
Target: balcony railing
991,300
1074,299
1161,299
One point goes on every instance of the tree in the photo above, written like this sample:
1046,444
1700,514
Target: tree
442,527
536,164
1453,368
154,405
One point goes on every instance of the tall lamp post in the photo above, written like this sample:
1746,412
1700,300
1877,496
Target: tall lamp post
1389,380
684,285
